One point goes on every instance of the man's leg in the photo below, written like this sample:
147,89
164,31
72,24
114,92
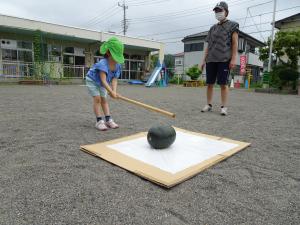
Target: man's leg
211,75
209,93
224,95
222,80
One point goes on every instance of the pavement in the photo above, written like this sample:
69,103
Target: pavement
46,179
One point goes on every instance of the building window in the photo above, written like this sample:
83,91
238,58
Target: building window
9,55
24,56
69,50
194,47
69,59
97,56
178,62
55,53
24,45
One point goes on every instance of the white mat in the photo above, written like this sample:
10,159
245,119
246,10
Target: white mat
188,150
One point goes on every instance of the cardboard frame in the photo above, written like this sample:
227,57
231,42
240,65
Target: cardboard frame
153,173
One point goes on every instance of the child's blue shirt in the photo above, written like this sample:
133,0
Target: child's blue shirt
103,66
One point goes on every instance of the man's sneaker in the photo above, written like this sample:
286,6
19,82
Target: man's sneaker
206,108
224,111
111,124
100,125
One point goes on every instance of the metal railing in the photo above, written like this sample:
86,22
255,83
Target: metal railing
71,71
15,69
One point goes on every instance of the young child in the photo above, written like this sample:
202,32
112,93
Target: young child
102,79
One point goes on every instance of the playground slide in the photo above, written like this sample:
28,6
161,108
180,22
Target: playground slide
153,76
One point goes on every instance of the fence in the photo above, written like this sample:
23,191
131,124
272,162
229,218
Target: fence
11,69
16,69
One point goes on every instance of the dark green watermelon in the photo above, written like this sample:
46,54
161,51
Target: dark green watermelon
160,137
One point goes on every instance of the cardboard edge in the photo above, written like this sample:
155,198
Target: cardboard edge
165,179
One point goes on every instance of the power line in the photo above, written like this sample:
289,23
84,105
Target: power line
100,15
108,16
152,2
181,13
254,32
244,27
236,19
247,33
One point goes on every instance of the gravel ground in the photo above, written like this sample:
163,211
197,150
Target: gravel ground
46,179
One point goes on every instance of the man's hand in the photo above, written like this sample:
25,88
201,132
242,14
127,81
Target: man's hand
202,65
232,64
114,94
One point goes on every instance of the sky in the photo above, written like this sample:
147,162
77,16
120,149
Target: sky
168,21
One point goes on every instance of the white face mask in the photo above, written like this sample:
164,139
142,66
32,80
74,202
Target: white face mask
220,16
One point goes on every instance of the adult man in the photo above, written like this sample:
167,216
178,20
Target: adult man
220,55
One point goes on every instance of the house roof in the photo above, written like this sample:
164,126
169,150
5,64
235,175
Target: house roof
179,54
292,18
202,35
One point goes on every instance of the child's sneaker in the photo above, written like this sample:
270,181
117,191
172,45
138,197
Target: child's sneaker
111,124
224,111
100,125
206,108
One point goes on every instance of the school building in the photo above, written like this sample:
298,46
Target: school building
67,51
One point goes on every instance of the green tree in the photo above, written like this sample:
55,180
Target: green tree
154,60
285,43
169,61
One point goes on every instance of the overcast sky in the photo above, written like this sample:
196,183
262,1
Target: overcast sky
165,20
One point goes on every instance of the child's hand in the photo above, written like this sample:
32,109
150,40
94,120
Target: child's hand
114,95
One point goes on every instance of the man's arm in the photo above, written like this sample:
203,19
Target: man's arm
204,58
234,50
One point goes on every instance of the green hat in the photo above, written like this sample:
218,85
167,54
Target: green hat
115,47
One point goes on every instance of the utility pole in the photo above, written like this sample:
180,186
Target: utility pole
124,21
272,36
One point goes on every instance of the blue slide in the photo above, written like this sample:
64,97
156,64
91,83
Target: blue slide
154,75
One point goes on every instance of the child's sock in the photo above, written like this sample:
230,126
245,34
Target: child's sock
210,105
107,118
99,118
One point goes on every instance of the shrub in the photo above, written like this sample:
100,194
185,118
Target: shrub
194,72
283,75
174,79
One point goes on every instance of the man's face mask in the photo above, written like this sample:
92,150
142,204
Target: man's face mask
220,15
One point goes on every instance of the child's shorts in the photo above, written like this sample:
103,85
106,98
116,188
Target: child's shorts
94,89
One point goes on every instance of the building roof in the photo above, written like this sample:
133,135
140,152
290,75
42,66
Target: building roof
197,35
202,35
27,26
179,54
292,18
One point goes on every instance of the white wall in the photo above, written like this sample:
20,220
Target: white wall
179,67
254,60
194,58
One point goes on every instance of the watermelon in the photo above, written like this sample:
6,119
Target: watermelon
161,137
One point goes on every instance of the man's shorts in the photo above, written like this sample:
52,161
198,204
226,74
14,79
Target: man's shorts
217,71
95,89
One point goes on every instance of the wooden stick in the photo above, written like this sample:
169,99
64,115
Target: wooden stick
149,107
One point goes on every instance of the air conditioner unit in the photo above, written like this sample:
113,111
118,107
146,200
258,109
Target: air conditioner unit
10,44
